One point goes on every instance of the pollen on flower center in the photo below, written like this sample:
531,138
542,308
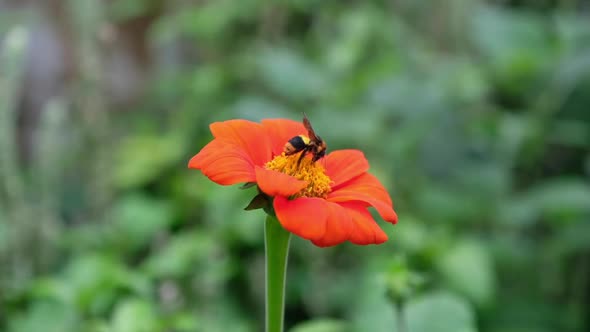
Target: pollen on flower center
307,170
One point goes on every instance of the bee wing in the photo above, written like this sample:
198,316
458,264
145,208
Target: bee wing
307,125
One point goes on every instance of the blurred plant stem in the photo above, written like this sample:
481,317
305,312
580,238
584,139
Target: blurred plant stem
276,246
12,190
48,173
89,17
401,321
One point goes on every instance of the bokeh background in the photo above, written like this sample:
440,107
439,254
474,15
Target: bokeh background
475,115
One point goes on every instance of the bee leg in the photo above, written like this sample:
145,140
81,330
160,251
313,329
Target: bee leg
301,156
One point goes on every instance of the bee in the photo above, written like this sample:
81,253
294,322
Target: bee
311,143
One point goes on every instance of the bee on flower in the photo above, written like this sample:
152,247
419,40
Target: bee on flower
317,196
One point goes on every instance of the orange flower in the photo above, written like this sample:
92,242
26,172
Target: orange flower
325,202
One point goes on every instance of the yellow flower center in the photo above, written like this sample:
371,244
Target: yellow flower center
312,172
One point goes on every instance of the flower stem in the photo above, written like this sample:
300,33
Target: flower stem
401,320
276,243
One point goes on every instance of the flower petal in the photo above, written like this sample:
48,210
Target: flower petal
338,226
224,163
305,217
248,135
366,188
280,131
364,229
274,183
343,165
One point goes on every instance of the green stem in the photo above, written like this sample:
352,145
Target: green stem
276,243
401,320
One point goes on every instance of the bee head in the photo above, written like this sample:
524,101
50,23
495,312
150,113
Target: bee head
320,149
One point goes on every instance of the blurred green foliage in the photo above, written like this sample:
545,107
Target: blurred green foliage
474,114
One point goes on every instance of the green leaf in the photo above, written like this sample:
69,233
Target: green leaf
402,282
248,185
559,201
47,316
129,9
290,74
371,309
259,201
517,44
95,281
180,256
135,315
184,322
257,107
321,325
571,239
4,234
141,159
51,288
138,218
467,268
440,312
562,197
